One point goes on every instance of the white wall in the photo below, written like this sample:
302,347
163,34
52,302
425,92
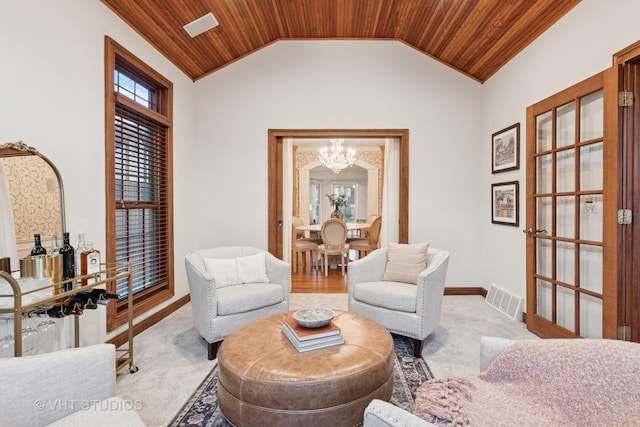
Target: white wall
52,98
577,47
336,85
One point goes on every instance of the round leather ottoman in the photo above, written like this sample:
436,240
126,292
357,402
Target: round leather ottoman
264,381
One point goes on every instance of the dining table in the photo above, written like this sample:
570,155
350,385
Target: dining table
351,226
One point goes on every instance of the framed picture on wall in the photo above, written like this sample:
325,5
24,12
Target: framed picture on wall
505,149
504,203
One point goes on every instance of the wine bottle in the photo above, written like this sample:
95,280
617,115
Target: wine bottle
69,306
68,262
89,264
72,305
37,246
87,300
55,249
94,296
55,311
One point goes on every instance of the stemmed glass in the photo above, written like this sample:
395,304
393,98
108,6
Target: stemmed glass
29,339
7,343
47,335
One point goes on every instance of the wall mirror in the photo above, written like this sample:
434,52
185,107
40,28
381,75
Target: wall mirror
31,200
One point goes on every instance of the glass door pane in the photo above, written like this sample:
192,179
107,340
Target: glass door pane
591,116
544,127
565,125
591,160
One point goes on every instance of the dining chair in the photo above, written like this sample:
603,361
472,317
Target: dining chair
364,233
371,242
297,222
302,246
334,242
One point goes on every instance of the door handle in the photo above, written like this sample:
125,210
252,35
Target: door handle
530,231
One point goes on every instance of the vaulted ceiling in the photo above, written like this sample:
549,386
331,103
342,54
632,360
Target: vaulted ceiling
475,37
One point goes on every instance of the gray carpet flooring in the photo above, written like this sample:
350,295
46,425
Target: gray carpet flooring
172,358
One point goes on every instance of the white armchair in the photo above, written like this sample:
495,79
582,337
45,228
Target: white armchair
224,297
403,308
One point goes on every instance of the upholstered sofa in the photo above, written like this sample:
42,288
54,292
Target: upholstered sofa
549,382
232,286
72,387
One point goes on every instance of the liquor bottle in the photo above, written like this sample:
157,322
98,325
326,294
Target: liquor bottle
82,246
37,247
89,264
53,264
55,249
68,262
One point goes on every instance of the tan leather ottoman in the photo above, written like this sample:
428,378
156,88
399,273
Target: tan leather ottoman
264,381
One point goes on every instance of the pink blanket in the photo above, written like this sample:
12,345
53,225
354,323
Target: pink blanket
550,382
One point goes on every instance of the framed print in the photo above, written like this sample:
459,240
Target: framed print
505,149
504,203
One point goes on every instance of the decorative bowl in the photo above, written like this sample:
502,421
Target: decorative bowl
313,317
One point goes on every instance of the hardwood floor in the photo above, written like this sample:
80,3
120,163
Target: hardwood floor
308,280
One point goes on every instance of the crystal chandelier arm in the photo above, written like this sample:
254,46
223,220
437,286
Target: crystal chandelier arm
334,159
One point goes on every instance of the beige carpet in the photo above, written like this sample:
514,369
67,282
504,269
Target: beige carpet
172,358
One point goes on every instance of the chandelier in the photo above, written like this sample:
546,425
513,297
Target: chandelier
333,157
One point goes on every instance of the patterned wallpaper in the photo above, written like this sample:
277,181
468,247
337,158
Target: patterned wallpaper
374,157
35,198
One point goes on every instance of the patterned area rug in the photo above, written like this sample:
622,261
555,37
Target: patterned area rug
202,407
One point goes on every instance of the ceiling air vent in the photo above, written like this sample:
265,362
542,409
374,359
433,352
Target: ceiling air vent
200,25
505,302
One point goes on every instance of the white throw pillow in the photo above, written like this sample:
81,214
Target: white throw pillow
223,270
405,262
253,268
236,271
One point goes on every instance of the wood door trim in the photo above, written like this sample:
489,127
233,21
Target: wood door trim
630,53
612,296
275,195
628,131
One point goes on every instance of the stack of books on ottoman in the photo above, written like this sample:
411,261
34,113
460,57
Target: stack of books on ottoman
306,339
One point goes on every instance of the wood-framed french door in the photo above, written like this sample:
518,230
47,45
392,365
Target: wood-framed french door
275,175
571,205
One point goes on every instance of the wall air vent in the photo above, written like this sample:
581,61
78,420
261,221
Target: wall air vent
505,302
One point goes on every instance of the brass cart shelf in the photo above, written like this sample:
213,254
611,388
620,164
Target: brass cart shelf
108,273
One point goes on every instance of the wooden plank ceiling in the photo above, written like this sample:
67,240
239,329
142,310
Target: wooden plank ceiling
475,37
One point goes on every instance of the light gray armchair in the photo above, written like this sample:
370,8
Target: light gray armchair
411,310
224,299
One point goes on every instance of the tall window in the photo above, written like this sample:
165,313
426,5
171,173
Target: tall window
349,190
138,180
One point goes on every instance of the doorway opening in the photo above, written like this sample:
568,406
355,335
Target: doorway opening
279,189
